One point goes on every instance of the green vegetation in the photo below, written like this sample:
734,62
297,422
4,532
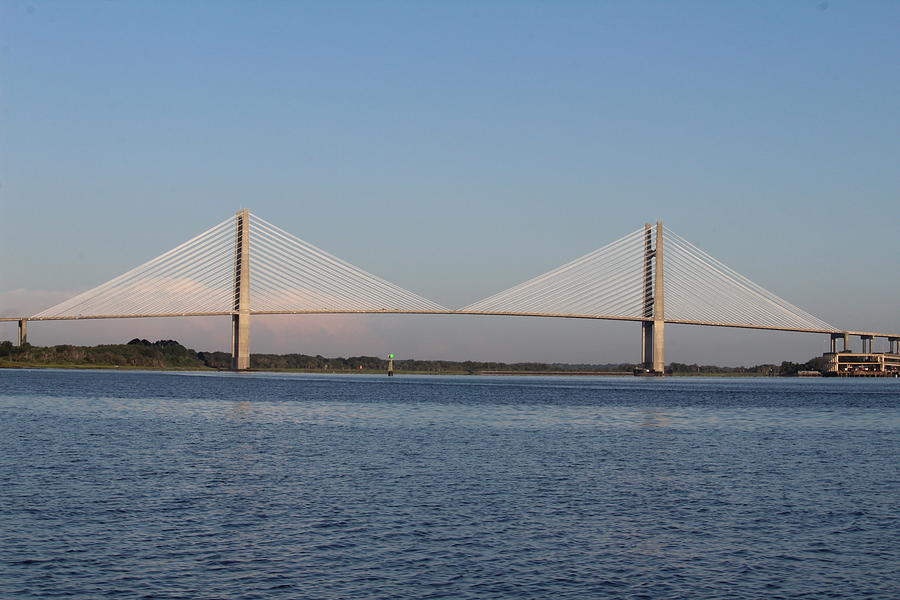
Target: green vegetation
786,369
137,353
169,354
318,363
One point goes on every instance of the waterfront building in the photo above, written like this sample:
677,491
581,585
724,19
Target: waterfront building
862,364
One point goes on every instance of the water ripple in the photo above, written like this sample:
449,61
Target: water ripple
164,486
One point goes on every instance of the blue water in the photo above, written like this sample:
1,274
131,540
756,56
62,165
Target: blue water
172,485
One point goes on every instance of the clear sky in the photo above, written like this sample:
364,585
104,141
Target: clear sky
456,148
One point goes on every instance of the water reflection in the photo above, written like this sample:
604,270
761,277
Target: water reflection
240,411
656,417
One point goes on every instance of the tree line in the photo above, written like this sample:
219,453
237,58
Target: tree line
141,353
786,368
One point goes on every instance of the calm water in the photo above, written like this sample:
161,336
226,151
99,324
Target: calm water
162,485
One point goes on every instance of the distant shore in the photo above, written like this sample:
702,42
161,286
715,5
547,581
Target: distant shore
169,355
351,372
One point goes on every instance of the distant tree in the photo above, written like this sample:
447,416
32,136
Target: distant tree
818,363
790,368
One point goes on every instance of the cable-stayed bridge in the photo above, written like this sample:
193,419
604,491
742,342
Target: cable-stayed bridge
246,266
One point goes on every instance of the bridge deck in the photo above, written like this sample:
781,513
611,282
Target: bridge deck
456,312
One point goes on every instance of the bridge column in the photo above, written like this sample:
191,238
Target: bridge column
834,338
866,344
240,321
647,344
23,332
894,345
659,312
647,326
653,338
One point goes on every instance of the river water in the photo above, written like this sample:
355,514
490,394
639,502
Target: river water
177,485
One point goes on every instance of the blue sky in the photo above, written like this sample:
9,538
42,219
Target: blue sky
455,149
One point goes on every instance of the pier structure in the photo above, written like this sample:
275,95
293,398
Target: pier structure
246,266
862,364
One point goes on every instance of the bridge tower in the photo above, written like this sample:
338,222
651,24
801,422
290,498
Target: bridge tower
240,321
653,338
23,332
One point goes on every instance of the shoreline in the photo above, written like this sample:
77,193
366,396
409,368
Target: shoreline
505,373
170,355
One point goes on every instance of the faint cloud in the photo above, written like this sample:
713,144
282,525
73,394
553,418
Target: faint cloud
24,303
312,334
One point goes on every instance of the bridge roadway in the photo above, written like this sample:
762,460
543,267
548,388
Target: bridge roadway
863,334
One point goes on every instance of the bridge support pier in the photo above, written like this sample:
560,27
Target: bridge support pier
839,336
240,342
653,332
23,332
647,344
866,344
240,320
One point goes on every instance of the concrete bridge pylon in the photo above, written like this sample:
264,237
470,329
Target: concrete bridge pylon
240,320
653,332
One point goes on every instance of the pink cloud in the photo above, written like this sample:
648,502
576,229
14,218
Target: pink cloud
21,302
312,334
308,334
